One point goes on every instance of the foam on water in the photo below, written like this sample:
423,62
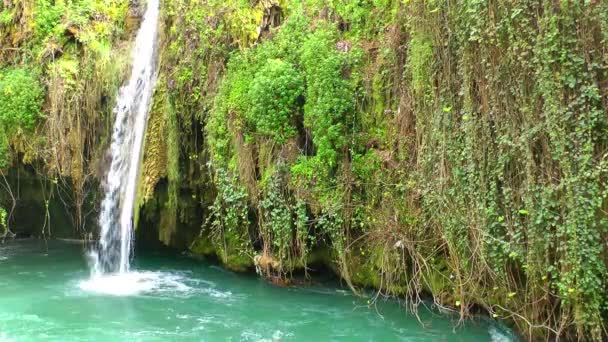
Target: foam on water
5,338
151,284
134,283
498,336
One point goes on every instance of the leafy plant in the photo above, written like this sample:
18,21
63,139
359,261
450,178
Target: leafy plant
274,95
21,96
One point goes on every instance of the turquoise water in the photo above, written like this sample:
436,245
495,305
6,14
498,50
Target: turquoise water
46,295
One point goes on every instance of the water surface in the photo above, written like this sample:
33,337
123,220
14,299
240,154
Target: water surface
46,295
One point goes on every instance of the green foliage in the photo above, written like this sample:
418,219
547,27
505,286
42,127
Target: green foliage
261,92
69,46
3,222
329,96
365,166
278,219
228,221
21,96
47,18
6,16
512,163
362,18
296,82
92,22
274,95
476,129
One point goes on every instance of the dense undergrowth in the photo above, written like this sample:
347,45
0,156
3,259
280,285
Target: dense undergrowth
455,149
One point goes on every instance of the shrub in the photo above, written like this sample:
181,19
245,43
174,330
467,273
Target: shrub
274,95
329,95
21,96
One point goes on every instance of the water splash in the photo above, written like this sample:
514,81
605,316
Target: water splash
116,218
136,283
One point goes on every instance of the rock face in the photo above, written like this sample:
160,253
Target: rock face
46,208
134,16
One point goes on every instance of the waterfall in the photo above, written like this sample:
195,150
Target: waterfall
116,217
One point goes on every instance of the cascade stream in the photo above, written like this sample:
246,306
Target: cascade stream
116,217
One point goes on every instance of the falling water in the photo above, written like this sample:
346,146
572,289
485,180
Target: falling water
116,218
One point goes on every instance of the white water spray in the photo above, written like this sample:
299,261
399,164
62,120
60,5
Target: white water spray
116,217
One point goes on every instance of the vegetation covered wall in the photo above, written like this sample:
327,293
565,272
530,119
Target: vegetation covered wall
454,148
61,63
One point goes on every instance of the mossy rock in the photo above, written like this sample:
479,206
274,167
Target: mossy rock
238,262
233,259
202,246
365,266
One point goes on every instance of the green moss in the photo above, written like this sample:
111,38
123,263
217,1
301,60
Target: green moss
173,154
155,155
239,262
366,270
420,61
231,253
202,246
